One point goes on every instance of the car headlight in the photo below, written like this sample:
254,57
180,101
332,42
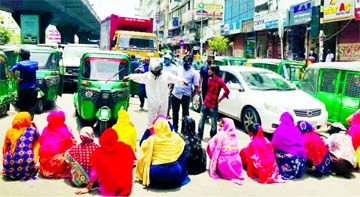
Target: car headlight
275,108
89,93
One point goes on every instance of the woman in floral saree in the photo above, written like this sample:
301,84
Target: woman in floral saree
224,152
290,153
20,148
55,140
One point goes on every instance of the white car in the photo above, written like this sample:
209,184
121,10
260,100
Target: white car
261,96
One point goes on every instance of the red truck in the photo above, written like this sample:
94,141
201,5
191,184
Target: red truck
133,36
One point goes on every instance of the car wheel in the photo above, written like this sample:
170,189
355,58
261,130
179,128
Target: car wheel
39,106
196,102
248,117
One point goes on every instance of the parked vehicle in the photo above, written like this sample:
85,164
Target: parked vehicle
337,85
133,36
229,61
289,69
72,54
260,96
101,93
49,76
7,93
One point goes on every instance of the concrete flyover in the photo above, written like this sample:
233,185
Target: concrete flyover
69,16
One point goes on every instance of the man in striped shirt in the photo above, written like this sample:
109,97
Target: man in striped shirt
211,101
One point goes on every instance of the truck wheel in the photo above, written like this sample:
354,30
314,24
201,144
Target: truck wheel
39,106
196,102
248,117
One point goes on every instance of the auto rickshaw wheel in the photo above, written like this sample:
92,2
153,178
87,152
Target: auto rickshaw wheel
4,109
103,125
39,106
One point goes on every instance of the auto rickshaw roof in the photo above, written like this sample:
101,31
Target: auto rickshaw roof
109,54
276,61
351,66
221,58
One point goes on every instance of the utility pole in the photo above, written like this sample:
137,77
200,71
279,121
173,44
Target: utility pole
201,27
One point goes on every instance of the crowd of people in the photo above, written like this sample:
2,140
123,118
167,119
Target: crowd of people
166,157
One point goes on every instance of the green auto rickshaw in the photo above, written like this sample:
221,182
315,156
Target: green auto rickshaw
101,92
7,91
49,76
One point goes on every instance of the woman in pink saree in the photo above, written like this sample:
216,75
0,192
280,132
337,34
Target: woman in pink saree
354,132
55,140
224,152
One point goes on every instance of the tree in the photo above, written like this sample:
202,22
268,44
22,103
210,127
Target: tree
4,35
219,44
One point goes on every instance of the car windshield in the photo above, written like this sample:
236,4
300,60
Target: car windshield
293,72
43,60
107,69
266,81
72,53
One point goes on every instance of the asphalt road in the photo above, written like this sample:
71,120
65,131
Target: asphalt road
200,185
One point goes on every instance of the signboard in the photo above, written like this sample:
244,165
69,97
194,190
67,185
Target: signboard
268,20
337,10
209,8
349,52
300,13
29,29
357,9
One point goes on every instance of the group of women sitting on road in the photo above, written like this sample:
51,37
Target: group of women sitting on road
166,158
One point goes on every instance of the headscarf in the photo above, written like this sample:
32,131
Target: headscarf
21,122
163,147
56,137
262,157
316,148
113,162
340,146
87,135
354,130
287,137
225,141
125,129
83,151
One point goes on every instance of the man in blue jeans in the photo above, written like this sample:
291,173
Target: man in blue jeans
27,93
211,101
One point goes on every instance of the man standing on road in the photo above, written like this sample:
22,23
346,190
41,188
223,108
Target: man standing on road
27,93
143,68
169,67
204,76
182,93
156,88
211,101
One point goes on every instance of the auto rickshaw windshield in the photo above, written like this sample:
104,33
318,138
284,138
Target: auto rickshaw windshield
106,69
45,60
294,72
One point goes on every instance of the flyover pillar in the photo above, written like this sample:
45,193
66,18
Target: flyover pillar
83,37
44,21
67,32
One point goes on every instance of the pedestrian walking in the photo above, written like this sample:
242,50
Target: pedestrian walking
211,101
27,93
181,94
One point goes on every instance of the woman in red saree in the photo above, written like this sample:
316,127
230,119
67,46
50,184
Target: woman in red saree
55,140
259,158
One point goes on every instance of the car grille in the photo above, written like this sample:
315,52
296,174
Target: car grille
307,112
